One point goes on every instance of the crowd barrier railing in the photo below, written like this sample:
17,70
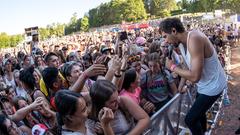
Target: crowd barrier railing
169,120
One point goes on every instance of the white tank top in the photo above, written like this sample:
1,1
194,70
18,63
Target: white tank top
213,78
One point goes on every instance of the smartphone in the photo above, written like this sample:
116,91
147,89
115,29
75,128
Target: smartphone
123,35
106,61
120,51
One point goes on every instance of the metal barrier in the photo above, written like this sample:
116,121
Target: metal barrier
169,120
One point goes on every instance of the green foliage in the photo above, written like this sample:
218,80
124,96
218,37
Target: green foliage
56,29
235,5
77,24
73,25
185,4
211,5
116,11
9,41
84,24
134,10
147,5
160,8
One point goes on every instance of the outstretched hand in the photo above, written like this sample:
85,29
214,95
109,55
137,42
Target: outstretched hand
95,69
37,103
116,63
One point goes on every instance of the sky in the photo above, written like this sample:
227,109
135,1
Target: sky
15,15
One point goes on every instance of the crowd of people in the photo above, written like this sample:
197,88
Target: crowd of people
102,83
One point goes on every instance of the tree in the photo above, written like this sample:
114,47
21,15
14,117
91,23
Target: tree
59,29
162,8
84,24
93,17
115,11
134,10
209,5
196,6
234,5
9,41
147,5
184,4
72,26
44,33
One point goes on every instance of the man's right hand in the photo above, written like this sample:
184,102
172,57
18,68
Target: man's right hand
184,89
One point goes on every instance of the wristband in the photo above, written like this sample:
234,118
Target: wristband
173,67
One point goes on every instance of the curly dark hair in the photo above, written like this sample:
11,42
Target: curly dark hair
169,23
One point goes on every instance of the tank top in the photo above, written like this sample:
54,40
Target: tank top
213,78
120,124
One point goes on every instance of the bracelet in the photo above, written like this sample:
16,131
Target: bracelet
173,67
116,75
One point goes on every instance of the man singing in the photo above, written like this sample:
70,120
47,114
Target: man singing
204,69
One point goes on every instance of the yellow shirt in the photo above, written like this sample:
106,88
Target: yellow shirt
43,87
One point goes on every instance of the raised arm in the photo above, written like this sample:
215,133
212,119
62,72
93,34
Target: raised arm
21,113
94,70
122,72
114,67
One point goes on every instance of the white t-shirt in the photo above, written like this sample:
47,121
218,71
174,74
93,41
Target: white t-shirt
21,92
10,83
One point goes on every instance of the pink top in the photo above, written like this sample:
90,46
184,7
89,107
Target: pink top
134,96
